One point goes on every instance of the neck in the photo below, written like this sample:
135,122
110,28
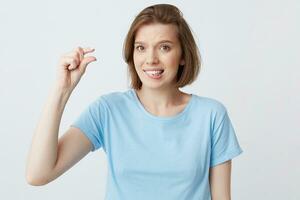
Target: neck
159,99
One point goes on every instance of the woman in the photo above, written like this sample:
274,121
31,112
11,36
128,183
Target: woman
160,142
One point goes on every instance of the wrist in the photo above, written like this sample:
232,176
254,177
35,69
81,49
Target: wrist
61,91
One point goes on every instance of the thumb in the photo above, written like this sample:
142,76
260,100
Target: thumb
87,60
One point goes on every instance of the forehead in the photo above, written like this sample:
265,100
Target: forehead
157,32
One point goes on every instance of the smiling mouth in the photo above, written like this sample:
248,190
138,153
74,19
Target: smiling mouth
154,73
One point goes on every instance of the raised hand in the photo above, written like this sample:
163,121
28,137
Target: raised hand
72,66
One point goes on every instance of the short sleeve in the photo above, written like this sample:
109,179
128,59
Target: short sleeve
90,122
224,145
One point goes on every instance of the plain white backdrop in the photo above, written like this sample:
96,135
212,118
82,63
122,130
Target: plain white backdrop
250,51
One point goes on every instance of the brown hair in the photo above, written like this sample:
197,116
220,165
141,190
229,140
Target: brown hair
165,14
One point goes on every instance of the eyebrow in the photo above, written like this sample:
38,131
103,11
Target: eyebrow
162,41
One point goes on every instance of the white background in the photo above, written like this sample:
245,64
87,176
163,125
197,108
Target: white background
250,51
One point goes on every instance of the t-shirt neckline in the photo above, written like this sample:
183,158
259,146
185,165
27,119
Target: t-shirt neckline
161,118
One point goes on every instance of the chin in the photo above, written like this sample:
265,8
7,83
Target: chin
151,86
154,86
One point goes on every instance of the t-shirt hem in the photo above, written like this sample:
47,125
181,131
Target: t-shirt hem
94,147
226,158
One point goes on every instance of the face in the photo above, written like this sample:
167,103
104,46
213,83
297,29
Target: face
157,55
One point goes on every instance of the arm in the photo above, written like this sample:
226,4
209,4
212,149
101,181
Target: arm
49,157
219,178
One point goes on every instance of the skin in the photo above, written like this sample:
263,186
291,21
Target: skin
219,179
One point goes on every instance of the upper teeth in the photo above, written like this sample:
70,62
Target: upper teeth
154,71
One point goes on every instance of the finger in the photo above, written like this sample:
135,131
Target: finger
73,65
76,56
90,59
88,50
87,60
73,54
69,62
80,53
64,61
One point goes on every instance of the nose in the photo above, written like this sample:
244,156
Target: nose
151,58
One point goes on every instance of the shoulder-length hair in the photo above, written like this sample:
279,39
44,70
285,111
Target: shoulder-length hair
165,14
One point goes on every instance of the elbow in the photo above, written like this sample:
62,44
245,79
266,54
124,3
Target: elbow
36,181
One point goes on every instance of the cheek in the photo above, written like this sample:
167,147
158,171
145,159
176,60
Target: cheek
137,61
173,60
137,64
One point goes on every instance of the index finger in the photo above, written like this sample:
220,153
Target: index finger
87,50
81,53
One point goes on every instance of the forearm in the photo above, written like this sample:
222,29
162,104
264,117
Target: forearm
43,152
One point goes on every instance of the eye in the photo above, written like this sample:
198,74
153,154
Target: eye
165,48
139,48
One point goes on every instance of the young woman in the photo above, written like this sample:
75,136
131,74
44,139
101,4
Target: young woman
160,142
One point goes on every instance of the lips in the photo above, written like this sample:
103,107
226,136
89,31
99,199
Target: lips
154,72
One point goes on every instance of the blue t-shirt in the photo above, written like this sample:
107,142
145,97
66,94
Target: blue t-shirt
153,157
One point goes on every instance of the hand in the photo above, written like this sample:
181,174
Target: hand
72,66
